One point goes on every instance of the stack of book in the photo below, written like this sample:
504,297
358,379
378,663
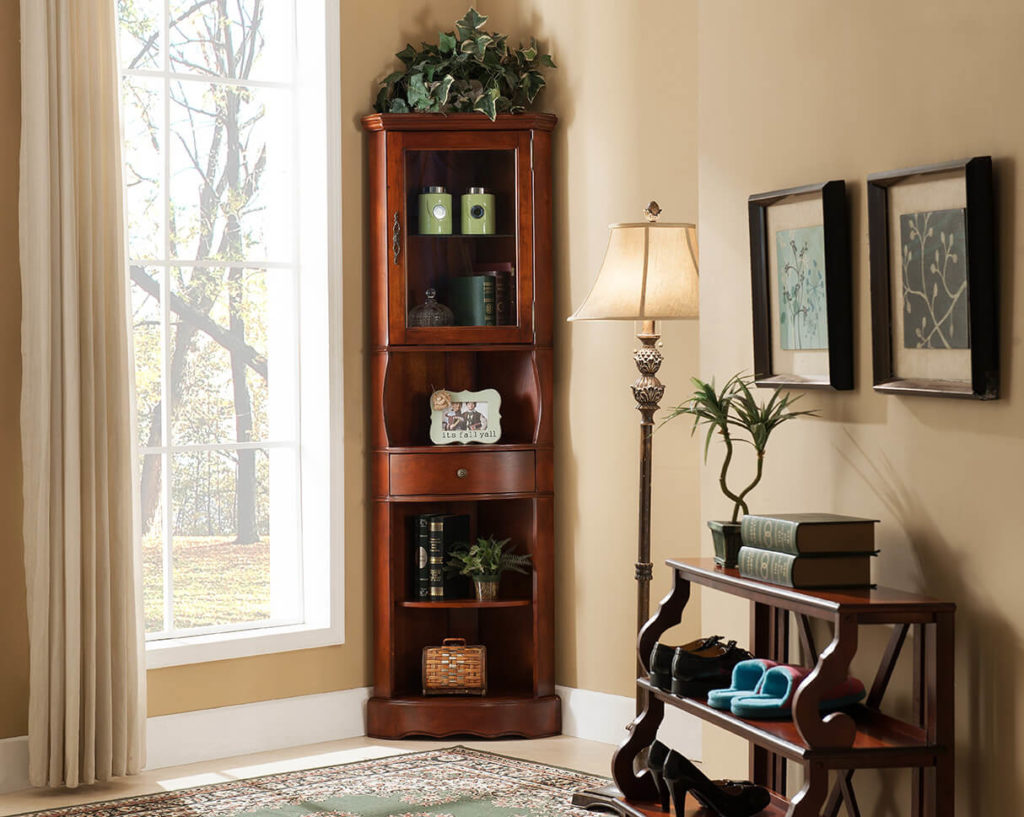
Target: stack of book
808,550
433,537
484,298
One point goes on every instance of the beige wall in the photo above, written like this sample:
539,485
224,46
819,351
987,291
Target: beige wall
627,134
799,91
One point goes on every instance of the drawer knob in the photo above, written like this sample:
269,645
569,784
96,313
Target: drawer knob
462,473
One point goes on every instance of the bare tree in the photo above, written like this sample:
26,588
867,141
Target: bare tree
208,38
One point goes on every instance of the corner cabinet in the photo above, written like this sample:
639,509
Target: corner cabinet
505,487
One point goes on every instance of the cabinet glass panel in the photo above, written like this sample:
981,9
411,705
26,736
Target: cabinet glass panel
462,211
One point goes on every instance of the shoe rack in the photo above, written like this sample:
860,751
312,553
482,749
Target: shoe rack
830,748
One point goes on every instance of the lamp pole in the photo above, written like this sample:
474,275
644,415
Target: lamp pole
647,391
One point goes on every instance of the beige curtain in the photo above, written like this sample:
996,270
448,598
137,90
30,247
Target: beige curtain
86,715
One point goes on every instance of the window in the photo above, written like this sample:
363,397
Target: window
228,197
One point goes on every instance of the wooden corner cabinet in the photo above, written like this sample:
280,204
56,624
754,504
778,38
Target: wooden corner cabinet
498,338
830,748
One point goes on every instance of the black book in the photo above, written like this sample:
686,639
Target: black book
420,562
446,531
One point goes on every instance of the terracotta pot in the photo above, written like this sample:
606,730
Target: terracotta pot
726,536
486,588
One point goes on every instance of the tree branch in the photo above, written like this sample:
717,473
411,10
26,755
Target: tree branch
253,359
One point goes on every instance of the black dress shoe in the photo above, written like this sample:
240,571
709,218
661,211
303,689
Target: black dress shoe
726,798
663,656
697,672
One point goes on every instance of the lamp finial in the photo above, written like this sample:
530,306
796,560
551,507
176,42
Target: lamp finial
652,211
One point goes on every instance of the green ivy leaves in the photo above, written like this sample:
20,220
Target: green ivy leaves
467,70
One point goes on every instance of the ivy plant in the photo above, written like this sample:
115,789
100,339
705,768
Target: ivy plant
469,69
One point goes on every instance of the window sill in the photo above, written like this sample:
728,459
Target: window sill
200,649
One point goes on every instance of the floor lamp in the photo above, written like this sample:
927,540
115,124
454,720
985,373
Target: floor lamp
649,274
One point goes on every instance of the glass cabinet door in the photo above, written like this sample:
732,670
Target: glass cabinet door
461,242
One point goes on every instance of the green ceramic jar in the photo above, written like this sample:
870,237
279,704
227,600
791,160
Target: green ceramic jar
436,212
478,212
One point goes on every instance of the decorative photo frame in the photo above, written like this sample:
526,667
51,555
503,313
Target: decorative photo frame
934,280
801,287
465,417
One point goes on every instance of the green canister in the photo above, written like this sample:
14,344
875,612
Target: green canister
477,212
436,212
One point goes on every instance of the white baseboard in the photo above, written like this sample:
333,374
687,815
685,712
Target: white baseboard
604,717
13,764
208,734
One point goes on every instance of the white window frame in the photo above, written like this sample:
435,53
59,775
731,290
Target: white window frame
320,350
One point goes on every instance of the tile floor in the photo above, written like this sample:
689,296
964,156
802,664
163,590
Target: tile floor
585,755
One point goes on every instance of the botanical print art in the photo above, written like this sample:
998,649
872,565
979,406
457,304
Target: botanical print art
933,250
803,317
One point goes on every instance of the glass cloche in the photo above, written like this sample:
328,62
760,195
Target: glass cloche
431,313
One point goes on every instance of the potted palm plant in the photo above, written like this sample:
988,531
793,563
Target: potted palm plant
484,562
736,417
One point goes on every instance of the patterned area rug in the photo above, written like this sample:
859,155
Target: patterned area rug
455,782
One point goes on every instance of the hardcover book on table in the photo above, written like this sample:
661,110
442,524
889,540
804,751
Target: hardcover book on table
809,533
848,570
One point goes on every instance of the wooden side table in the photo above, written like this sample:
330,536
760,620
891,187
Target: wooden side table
857,738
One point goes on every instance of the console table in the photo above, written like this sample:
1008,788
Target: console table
860,737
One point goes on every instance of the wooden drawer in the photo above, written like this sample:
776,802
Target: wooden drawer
460,472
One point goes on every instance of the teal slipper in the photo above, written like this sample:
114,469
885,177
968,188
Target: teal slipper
775,699
746,680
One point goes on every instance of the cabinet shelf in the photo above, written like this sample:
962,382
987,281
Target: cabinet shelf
451,236
466,604
879,739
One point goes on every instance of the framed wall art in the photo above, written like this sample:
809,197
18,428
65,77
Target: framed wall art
800,283
934,282
465,417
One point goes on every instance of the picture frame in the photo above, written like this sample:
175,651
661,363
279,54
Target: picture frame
465,417
934,303
801,287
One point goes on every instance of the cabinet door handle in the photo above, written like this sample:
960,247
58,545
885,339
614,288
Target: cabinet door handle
396,241
462,473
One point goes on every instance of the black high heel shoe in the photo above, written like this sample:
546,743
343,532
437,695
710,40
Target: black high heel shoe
656,757
726,798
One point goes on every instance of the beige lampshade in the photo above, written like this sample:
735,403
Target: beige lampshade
649,273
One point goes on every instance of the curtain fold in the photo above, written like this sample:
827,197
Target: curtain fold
86,706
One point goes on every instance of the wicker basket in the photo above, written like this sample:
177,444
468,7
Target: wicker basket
454,669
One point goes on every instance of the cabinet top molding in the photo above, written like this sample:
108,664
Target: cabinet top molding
457,121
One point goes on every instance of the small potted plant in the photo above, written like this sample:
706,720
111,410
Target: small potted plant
484,562
469,69
734,414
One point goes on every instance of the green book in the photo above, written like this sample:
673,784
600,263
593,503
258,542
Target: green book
471,298
809,533
843,570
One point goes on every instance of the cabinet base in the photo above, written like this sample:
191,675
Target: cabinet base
441,717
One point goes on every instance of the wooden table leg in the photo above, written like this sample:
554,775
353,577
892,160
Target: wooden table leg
636,784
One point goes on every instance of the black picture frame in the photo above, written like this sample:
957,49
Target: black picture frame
838,288
982,283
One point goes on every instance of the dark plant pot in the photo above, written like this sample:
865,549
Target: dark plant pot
726,536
